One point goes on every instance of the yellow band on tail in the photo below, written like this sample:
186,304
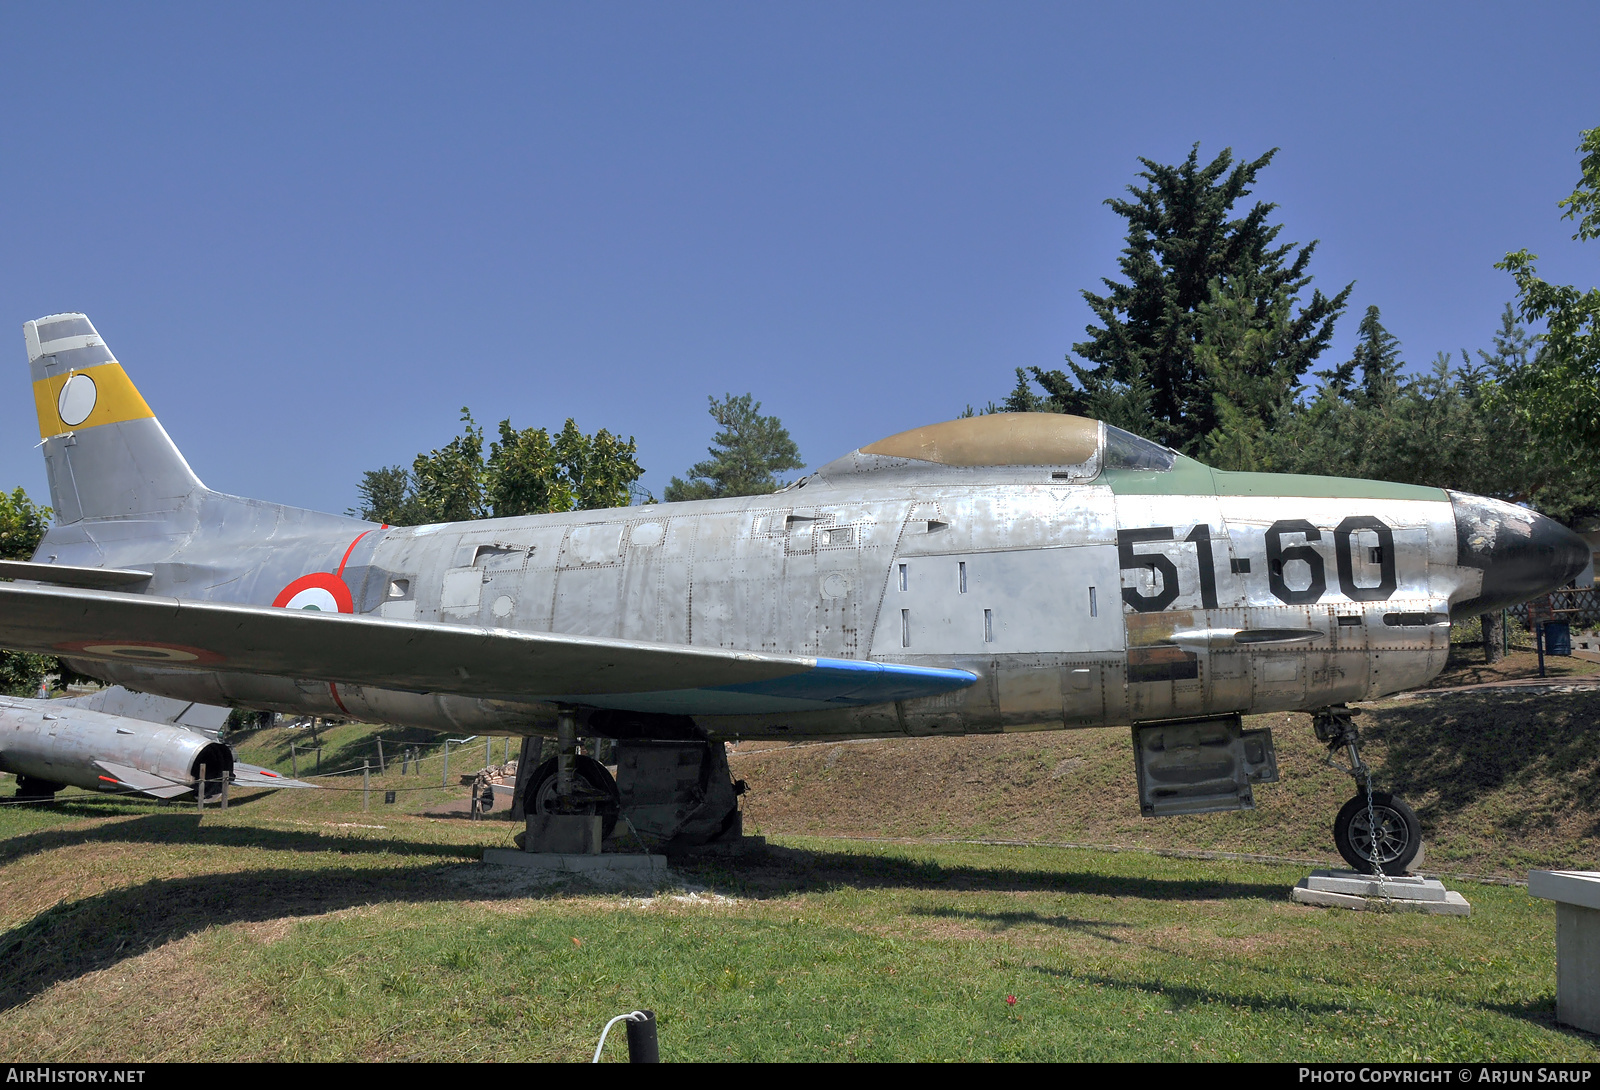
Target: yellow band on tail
97,395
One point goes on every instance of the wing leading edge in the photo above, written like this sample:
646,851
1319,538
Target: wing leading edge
437,658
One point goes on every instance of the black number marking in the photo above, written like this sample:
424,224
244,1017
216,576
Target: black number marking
1161,565
1278,556
1201,536
1384,557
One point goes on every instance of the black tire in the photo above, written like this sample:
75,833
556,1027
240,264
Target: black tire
1400,833
542,791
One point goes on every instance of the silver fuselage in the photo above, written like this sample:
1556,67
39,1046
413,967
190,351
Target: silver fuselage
1228,592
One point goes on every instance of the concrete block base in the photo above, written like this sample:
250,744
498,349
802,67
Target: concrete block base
1577,897
563,834
1363,892
638,867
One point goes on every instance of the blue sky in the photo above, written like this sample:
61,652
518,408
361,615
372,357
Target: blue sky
312,233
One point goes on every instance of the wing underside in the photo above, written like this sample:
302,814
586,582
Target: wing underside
462,660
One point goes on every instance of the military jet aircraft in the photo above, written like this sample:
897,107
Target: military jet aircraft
124,743
1000,573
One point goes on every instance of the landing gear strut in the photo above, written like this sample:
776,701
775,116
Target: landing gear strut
1375,831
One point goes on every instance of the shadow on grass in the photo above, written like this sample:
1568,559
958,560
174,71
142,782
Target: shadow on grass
1542,1012
185,829
1005,921
779,871
79,937
1183,996
1461,747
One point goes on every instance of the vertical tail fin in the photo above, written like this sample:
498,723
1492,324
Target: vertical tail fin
106,453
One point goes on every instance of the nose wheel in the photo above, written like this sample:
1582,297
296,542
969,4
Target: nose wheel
1386,832
1375,832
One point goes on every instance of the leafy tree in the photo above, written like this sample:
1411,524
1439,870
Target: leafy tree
449,482
1558,391
387,496
22,525
526,472
746,454
1210,303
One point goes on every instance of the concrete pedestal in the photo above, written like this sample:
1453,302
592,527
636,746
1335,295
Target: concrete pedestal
1405,893
650,868
1577,897
563,834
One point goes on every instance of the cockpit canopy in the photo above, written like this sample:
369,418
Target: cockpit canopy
1027,439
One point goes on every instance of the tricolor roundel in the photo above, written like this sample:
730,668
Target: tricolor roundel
320,591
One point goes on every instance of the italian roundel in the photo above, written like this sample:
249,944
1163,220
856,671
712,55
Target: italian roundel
321,591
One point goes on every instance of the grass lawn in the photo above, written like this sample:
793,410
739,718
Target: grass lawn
297,926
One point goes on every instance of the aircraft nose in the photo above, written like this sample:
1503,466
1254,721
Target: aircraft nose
1522,554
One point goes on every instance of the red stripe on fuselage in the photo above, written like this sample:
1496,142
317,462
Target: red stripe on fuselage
347,553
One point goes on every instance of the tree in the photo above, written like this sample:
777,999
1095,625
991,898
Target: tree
22,526
526,473
1558,391
746,454
1209,303
387,496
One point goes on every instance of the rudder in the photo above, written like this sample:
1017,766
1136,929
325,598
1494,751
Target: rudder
106,454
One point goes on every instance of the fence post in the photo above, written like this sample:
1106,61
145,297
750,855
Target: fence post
366,785
200,791
381,769
444,780
224,790
294,760
488,751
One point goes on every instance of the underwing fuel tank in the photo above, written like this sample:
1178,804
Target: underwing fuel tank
1517,554
55,743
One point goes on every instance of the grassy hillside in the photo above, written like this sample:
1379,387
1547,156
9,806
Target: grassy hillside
1503,780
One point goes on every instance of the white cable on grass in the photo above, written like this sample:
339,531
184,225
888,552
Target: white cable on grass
631,1016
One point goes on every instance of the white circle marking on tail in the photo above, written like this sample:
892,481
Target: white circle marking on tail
77,400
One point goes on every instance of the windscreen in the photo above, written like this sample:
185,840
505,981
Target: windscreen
1125,450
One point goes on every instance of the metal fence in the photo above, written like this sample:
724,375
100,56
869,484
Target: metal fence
1579,607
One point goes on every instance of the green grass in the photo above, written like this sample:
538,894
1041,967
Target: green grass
292,929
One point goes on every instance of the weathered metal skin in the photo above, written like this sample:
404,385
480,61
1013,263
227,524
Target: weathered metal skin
56,743
1126,586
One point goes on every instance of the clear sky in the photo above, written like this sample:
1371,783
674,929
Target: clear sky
312,233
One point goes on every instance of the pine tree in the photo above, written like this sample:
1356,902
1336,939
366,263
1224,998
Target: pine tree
1150,365
746,454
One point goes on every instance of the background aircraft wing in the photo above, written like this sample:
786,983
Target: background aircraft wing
144,782
446,658
205,718
255,776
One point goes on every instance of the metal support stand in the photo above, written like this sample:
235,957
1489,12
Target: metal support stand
566,755
1538,644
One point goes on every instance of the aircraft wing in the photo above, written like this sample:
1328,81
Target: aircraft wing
255,776
143,782
464,660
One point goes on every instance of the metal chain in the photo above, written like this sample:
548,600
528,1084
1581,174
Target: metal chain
1372,833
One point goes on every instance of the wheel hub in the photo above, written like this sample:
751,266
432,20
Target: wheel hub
1390,841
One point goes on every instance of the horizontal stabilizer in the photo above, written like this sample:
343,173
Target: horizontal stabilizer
69,575
144,782
255,776
465,660
207,719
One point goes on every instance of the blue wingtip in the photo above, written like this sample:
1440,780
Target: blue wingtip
856,682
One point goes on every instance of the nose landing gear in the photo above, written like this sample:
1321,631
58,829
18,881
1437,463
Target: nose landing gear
1375,832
